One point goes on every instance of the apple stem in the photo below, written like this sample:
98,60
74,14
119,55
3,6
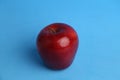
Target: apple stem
52,30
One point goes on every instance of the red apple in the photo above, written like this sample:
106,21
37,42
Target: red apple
57,45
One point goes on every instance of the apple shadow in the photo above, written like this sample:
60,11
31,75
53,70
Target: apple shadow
33,57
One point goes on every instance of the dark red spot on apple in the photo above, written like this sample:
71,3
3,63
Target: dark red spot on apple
57,45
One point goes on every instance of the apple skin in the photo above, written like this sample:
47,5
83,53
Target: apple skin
57,44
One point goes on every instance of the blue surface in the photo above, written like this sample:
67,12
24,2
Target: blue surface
97,23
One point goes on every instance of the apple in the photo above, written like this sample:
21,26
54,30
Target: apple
57,44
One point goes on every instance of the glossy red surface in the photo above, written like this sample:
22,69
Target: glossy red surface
57,45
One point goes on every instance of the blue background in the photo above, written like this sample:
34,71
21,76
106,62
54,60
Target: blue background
97,23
